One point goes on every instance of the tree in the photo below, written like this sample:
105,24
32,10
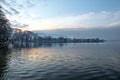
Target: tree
5,29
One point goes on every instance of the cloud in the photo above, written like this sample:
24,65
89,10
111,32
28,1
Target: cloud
8,8
19,10
114,24
101,19
18,6
23,12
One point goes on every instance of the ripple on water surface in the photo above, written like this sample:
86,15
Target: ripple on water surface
69,62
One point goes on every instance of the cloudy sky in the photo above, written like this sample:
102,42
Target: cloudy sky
62,14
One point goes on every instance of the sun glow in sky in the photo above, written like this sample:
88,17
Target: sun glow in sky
60,14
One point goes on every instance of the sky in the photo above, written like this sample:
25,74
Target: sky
62,14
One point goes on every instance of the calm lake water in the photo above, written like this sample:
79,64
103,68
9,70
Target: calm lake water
71,61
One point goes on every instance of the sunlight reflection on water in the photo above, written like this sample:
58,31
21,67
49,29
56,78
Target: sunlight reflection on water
56,62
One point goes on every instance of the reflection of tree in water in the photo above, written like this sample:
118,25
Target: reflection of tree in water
4,52
36,45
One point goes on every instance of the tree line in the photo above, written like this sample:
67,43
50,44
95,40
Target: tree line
28,36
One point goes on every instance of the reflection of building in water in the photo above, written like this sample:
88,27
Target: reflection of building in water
4,52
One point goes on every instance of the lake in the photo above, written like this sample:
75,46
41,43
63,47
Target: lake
69,61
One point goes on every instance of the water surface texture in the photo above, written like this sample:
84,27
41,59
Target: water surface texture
72,61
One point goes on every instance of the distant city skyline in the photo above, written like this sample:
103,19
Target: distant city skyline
62,14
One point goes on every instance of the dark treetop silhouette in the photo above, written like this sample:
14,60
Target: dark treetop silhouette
5,29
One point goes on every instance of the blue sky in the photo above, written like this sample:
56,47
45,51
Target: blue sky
54,8
60,14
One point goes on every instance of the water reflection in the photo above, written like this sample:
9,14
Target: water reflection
51,62
35,45
38,54
4,52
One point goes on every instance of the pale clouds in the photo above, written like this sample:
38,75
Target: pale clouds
23,12
18,6
101,19
20,12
